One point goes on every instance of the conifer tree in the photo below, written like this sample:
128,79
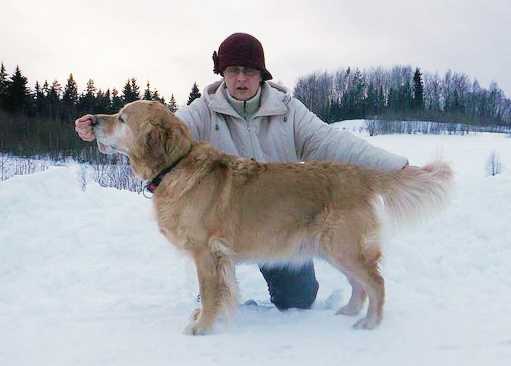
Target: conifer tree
418,91
131,91
107,101
371,100
103,102
357,95
70,98
172,104
147,92
39,100
381,101
87,101
127,93
135,89
45,91
156,96
117,102
53,99
392,104
3,84
17,93
194,94
405,98
46,88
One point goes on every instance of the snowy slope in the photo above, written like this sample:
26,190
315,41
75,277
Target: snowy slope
86,279
357,126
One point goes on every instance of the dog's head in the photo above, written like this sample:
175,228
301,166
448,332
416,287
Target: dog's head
147,132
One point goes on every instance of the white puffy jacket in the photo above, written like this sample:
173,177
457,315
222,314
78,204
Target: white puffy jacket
282,129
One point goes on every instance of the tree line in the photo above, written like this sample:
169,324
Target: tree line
402,93
57,102
39,120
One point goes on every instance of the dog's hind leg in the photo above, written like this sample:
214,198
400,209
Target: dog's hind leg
369,275
361,268
357,299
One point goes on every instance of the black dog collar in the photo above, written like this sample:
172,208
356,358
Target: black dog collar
155,182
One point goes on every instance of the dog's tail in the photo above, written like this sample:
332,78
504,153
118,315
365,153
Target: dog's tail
414,193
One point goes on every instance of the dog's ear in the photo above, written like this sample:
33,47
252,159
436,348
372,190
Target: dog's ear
167,140
159,143
155,141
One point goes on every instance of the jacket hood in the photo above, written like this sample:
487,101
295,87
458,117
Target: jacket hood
274,99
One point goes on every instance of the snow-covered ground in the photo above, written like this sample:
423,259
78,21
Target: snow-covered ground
356,126
86,279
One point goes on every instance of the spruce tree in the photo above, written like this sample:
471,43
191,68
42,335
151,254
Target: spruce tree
172,104
127,93
135,89
156,96
405,97
107,100
17,93
53,100
117,102
70,98
3,84
39,100
194,94
103,102
381,101
45,91
147,92
371,101
357,95
87,101
46,88
392,104
418,91
131,91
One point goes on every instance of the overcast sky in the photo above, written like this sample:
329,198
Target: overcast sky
170,43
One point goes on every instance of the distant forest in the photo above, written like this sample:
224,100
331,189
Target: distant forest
39,121
402,93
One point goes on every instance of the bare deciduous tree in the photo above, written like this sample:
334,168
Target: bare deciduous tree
493,164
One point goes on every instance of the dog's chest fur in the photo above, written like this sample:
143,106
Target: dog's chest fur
185,204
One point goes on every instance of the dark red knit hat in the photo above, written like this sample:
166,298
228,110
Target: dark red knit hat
240,49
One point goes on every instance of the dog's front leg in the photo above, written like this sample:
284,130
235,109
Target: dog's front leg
211,272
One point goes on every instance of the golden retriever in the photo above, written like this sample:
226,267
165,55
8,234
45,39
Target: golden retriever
223,210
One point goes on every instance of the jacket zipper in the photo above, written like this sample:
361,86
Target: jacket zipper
250,132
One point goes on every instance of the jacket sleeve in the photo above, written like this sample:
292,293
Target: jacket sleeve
197,117
316,140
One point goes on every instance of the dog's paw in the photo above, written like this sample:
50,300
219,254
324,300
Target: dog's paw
366,323
349,310
195,315
196,328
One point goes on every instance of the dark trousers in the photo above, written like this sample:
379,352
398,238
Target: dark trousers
291,287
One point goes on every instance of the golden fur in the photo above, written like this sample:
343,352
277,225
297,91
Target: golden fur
223,210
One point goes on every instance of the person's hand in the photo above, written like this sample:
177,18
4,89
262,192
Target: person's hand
83,126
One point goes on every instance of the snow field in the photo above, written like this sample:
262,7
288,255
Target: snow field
86,279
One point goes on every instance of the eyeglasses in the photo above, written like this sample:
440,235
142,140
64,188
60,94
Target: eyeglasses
235,70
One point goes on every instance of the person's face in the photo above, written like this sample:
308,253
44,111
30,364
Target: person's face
242,82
